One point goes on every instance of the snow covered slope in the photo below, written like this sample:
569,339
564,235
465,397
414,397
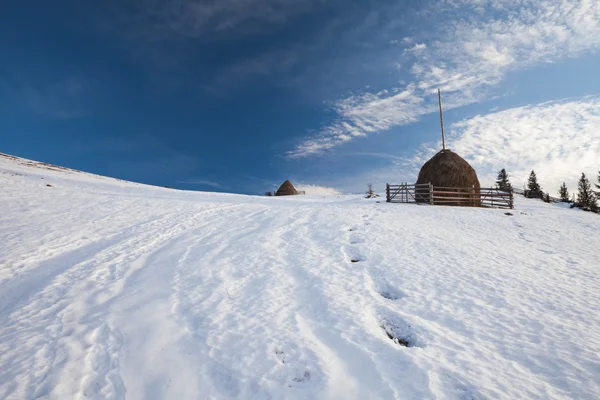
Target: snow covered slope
110,290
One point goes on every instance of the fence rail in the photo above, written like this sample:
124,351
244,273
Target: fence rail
408,193
437,195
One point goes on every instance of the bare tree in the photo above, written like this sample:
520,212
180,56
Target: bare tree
370,192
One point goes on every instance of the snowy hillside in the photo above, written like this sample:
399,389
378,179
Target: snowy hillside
112,290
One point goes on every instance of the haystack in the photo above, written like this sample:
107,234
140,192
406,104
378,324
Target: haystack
286,189
449,170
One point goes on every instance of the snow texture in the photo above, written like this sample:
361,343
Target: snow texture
113,290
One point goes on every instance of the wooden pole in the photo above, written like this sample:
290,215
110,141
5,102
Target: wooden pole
441,120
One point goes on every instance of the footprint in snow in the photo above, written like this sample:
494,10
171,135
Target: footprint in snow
390,295
399,332
355,258
388,291
303,378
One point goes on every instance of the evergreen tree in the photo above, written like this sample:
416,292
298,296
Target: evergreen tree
598,184
546,197
534,188
564,193
503,183
585,196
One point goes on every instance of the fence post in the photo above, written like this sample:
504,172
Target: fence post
512,204
430,193
387,193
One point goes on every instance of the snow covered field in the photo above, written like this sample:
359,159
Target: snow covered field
111,290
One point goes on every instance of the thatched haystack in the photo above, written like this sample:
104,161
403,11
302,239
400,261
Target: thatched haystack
286,189
449,170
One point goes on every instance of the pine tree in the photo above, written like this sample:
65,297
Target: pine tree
546,197
503,183
585,196
534,188
564,193
597,193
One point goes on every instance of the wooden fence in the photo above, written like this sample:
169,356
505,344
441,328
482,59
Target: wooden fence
408,193
452,196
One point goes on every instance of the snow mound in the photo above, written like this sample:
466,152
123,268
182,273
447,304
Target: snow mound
112,289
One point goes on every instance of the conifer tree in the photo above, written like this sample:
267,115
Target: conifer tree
546,197
598,184
534,188
564,193
585,196
503,183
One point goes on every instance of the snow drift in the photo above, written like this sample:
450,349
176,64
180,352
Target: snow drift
113,290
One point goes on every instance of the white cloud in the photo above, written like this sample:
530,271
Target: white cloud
417,48
483,49
317,190
362,114
470,55
559,140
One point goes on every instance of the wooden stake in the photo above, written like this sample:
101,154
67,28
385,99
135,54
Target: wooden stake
441,120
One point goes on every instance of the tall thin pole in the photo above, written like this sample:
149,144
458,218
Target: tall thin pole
441,120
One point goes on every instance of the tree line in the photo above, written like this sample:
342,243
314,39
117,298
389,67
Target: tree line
585,198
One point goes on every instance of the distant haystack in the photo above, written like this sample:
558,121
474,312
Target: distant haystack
449,170
286,189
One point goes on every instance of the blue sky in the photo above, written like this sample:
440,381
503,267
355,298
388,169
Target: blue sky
239,95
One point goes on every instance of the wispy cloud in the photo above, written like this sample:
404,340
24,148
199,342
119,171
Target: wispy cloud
362,114
417,48
465,58
507,35
201,182
557,139
159,19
